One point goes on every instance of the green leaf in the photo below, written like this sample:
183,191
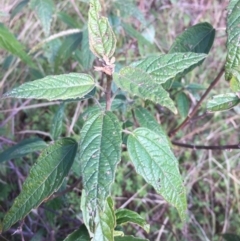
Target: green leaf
155,162
235,81
68,20
198,39
57,122
117,104
18,8
137,82
195,87
87,96
231,237
51,50
233,47
105,223
12,45
167,66
129,8
183,104
45,177
69,45
145,119
85,213
85,56
55,87
23,148
80,234
124,216
223,102
129,238
44,10
135,34
100,152
102,40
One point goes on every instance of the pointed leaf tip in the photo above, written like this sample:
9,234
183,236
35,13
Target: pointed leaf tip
55,87
137,82
155,162
45,177
102,40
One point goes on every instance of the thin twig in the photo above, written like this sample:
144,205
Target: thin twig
196,147
194,111
133,196
109,92
14,112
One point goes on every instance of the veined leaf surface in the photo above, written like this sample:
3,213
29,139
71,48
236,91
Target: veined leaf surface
58,87
198,39
137,82
155,162
145,119
233,43
44,10
105,223
101,37
124,216
12,45
100,152
57,122
223,102
45,177
167,66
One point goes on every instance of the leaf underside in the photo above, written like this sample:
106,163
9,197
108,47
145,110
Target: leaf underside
12,45
102,40
223,102
105,223
45,177
124,216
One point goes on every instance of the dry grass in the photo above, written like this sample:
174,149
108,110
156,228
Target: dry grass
212,178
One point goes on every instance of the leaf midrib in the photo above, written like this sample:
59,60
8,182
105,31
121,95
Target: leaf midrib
43,183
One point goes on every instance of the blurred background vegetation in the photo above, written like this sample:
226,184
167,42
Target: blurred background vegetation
143,28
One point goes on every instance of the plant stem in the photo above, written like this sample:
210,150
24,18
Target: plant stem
196,147
194,111
109,93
